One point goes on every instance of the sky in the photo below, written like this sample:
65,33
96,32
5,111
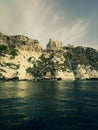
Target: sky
72,22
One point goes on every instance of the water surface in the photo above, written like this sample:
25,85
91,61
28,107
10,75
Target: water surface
49,105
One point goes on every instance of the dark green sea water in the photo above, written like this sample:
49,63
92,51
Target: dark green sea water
49,105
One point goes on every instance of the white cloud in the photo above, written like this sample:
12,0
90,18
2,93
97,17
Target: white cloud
40,20
73,33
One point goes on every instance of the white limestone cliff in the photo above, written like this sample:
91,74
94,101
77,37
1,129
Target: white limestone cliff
86,72
66,75
24,58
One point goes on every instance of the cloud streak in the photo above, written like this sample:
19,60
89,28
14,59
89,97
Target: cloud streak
42,19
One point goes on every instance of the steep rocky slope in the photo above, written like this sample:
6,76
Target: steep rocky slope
24,58
15,52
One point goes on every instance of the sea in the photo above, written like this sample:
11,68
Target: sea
49,105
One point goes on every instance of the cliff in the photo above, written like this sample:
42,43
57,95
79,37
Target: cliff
23,58
15,52
53,45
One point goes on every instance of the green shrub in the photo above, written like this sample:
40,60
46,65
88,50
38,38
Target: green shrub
14,52
3,48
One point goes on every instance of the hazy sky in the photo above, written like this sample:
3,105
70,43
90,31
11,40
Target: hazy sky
69,21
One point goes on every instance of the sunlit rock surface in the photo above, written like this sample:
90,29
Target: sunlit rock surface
24,58
54,45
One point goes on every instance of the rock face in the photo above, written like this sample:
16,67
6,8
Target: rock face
20,42
15,52
53,45
23,58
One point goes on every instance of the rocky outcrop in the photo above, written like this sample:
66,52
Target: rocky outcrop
15,54
20,42
53,45
23,58
65,75
86,72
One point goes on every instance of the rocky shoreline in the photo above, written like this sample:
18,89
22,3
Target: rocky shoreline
22,58
16,79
